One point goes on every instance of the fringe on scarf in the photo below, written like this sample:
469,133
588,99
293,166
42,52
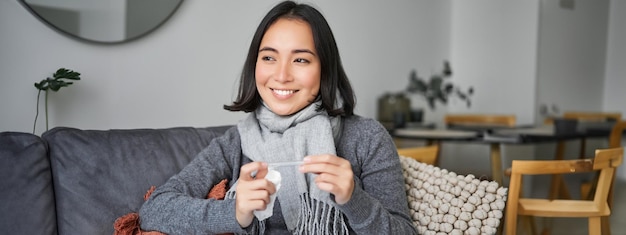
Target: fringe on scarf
315,217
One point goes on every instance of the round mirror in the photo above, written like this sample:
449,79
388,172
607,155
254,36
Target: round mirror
111,21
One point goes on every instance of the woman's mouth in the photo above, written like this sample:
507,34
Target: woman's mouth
283,92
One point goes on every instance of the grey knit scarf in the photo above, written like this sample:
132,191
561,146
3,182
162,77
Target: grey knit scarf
268,137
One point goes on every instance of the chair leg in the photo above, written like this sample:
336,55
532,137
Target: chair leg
547,225
606,225
511,224
588,189
563,191
585,191
583,144
595,226
528,224
558,188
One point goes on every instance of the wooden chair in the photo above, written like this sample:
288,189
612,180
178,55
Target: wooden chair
615,138
605,161
615,141
558,188
480,119
587,189
589,116
425,154
593,116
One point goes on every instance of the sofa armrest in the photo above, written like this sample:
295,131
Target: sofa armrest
26,194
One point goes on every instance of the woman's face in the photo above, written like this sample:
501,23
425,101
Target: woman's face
288,67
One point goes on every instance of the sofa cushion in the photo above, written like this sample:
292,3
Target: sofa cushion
102,175
26,194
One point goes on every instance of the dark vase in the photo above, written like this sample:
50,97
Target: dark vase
563,126
390,104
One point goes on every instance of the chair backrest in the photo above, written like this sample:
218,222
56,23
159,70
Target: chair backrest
592,116
480,119
425,154
589,116
605,161
615,139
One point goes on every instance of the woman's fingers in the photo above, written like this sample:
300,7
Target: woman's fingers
252,192
334,175
253,170
329,165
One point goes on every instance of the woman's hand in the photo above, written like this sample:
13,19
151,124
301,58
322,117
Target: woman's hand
253,193
334,175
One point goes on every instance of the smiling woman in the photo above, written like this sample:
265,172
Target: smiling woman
97,21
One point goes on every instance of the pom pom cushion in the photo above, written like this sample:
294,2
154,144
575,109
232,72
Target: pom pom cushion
442,202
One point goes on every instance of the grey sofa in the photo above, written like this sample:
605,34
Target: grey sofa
71,181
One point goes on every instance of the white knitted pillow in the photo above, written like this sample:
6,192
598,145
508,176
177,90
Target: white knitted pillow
442,202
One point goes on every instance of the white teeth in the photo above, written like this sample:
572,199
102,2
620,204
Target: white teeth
284,92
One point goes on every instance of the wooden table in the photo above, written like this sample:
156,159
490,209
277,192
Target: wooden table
497,136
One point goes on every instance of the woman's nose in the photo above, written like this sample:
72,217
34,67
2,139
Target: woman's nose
283,73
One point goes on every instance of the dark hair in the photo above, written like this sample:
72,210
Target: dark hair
333,78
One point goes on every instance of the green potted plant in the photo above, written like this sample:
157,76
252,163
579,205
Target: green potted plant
59,79
438,87
394,109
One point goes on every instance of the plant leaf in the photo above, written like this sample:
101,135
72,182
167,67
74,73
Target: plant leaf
62,83
54,85
435,83
447,70
64,73
42,85
416,84
448,88
442,97
460,94
438,88
431,102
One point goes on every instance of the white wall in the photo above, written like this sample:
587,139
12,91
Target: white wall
494,46
615,75
493,49
572,55
182,74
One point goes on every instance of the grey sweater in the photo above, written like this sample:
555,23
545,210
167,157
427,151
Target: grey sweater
378,204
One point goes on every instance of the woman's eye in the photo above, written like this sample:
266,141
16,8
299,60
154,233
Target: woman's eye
267,58
300,60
